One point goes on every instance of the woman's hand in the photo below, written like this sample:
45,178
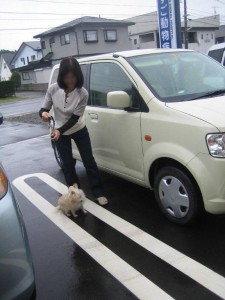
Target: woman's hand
45,116
56,135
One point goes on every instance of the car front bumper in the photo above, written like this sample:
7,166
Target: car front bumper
209,172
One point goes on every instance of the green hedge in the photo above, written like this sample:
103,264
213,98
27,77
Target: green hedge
7,88
16,78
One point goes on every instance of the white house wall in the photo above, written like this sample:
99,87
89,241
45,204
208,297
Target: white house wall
27,52
204,44
43,75
32,77
5,73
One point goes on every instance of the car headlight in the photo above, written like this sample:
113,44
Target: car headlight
3,183
216,144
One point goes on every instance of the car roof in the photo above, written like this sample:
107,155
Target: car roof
129,53
217,46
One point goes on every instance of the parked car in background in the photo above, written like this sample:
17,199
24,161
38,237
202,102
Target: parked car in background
156,117
217,52
16,270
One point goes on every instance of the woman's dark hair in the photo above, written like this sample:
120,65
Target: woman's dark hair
70,65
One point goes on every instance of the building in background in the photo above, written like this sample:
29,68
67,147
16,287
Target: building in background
34,70
220,35
85,36
5,64
145,32
27,52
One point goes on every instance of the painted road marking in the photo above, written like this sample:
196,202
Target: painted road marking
195,270
138,284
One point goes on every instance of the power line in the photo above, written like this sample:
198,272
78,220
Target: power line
22,29
55,14
86,3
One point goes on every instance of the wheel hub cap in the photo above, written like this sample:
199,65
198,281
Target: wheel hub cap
174,196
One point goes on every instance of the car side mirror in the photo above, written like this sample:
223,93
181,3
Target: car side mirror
1,118
118,99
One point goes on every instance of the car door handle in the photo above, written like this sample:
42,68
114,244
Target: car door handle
93,116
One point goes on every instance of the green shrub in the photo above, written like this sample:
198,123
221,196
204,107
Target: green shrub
7,88
16,78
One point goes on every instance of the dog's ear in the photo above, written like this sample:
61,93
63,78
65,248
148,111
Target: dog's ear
75,185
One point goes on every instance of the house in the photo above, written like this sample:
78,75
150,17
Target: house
34,70
145,32
35,75
220,35
27,52
5,64
85,36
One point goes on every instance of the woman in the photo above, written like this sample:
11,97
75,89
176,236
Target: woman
69,98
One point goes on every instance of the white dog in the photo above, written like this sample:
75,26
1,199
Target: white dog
72,201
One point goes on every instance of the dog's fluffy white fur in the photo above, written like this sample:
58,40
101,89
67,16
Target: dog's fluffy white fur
72,201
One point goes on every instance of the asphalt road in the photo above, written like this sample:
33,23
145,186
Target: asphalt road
126,250
30,102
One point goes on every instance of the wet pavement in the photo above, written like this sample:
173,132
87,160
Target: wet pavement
130,230
28,102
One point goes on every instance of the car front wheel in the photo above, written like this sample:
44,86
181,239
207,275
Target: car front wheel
177,195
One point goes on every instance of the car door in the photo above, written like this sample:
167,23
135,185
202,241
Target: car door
115,133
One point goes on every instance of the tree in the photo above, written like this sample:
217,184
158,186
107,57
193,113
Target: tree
16,79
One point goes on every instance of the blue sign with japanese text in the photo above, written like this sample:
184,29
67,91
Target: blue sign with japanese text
167,24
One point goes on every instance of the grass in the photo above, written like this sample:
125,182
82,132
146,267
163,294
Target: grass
10,99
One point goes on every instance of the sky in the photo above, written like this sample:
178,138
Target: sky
20,20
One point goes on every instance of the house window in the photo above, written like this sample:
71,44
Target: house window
23,60
90,36
202,36
212,37
65,39
27,60
135,41
110,35
5,66
43,45
51,41
26,75
33,57
192,37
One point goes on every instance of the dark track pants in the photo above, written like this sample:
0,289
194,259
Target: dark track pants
82,140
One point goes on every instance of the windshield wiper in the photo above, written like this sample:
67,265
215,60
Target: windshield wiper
209,94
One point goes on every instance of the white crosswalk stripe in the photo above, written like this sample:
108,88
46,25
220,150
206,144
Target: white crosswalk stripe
133,280
195,270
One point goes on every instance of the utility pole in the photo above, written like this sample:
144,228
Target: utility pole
178,23
185,25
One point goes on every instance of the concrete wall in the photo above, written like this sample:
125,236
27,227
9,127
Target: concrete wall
60,51
27,52
34,87
204,40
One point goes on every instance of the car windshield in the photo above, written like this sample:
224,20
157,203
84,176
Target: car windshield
180,76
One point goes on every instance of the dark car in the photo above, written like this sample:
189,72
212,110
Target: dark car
16,269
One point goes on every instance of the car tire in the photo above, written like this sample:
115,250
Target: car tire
177,195
57,156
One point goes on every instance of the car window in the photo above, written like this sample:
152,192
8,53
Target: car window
84,68
179,76
107,77
54,76
216,54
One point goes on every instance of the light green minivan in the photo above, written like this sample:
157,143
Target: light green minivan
157,118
